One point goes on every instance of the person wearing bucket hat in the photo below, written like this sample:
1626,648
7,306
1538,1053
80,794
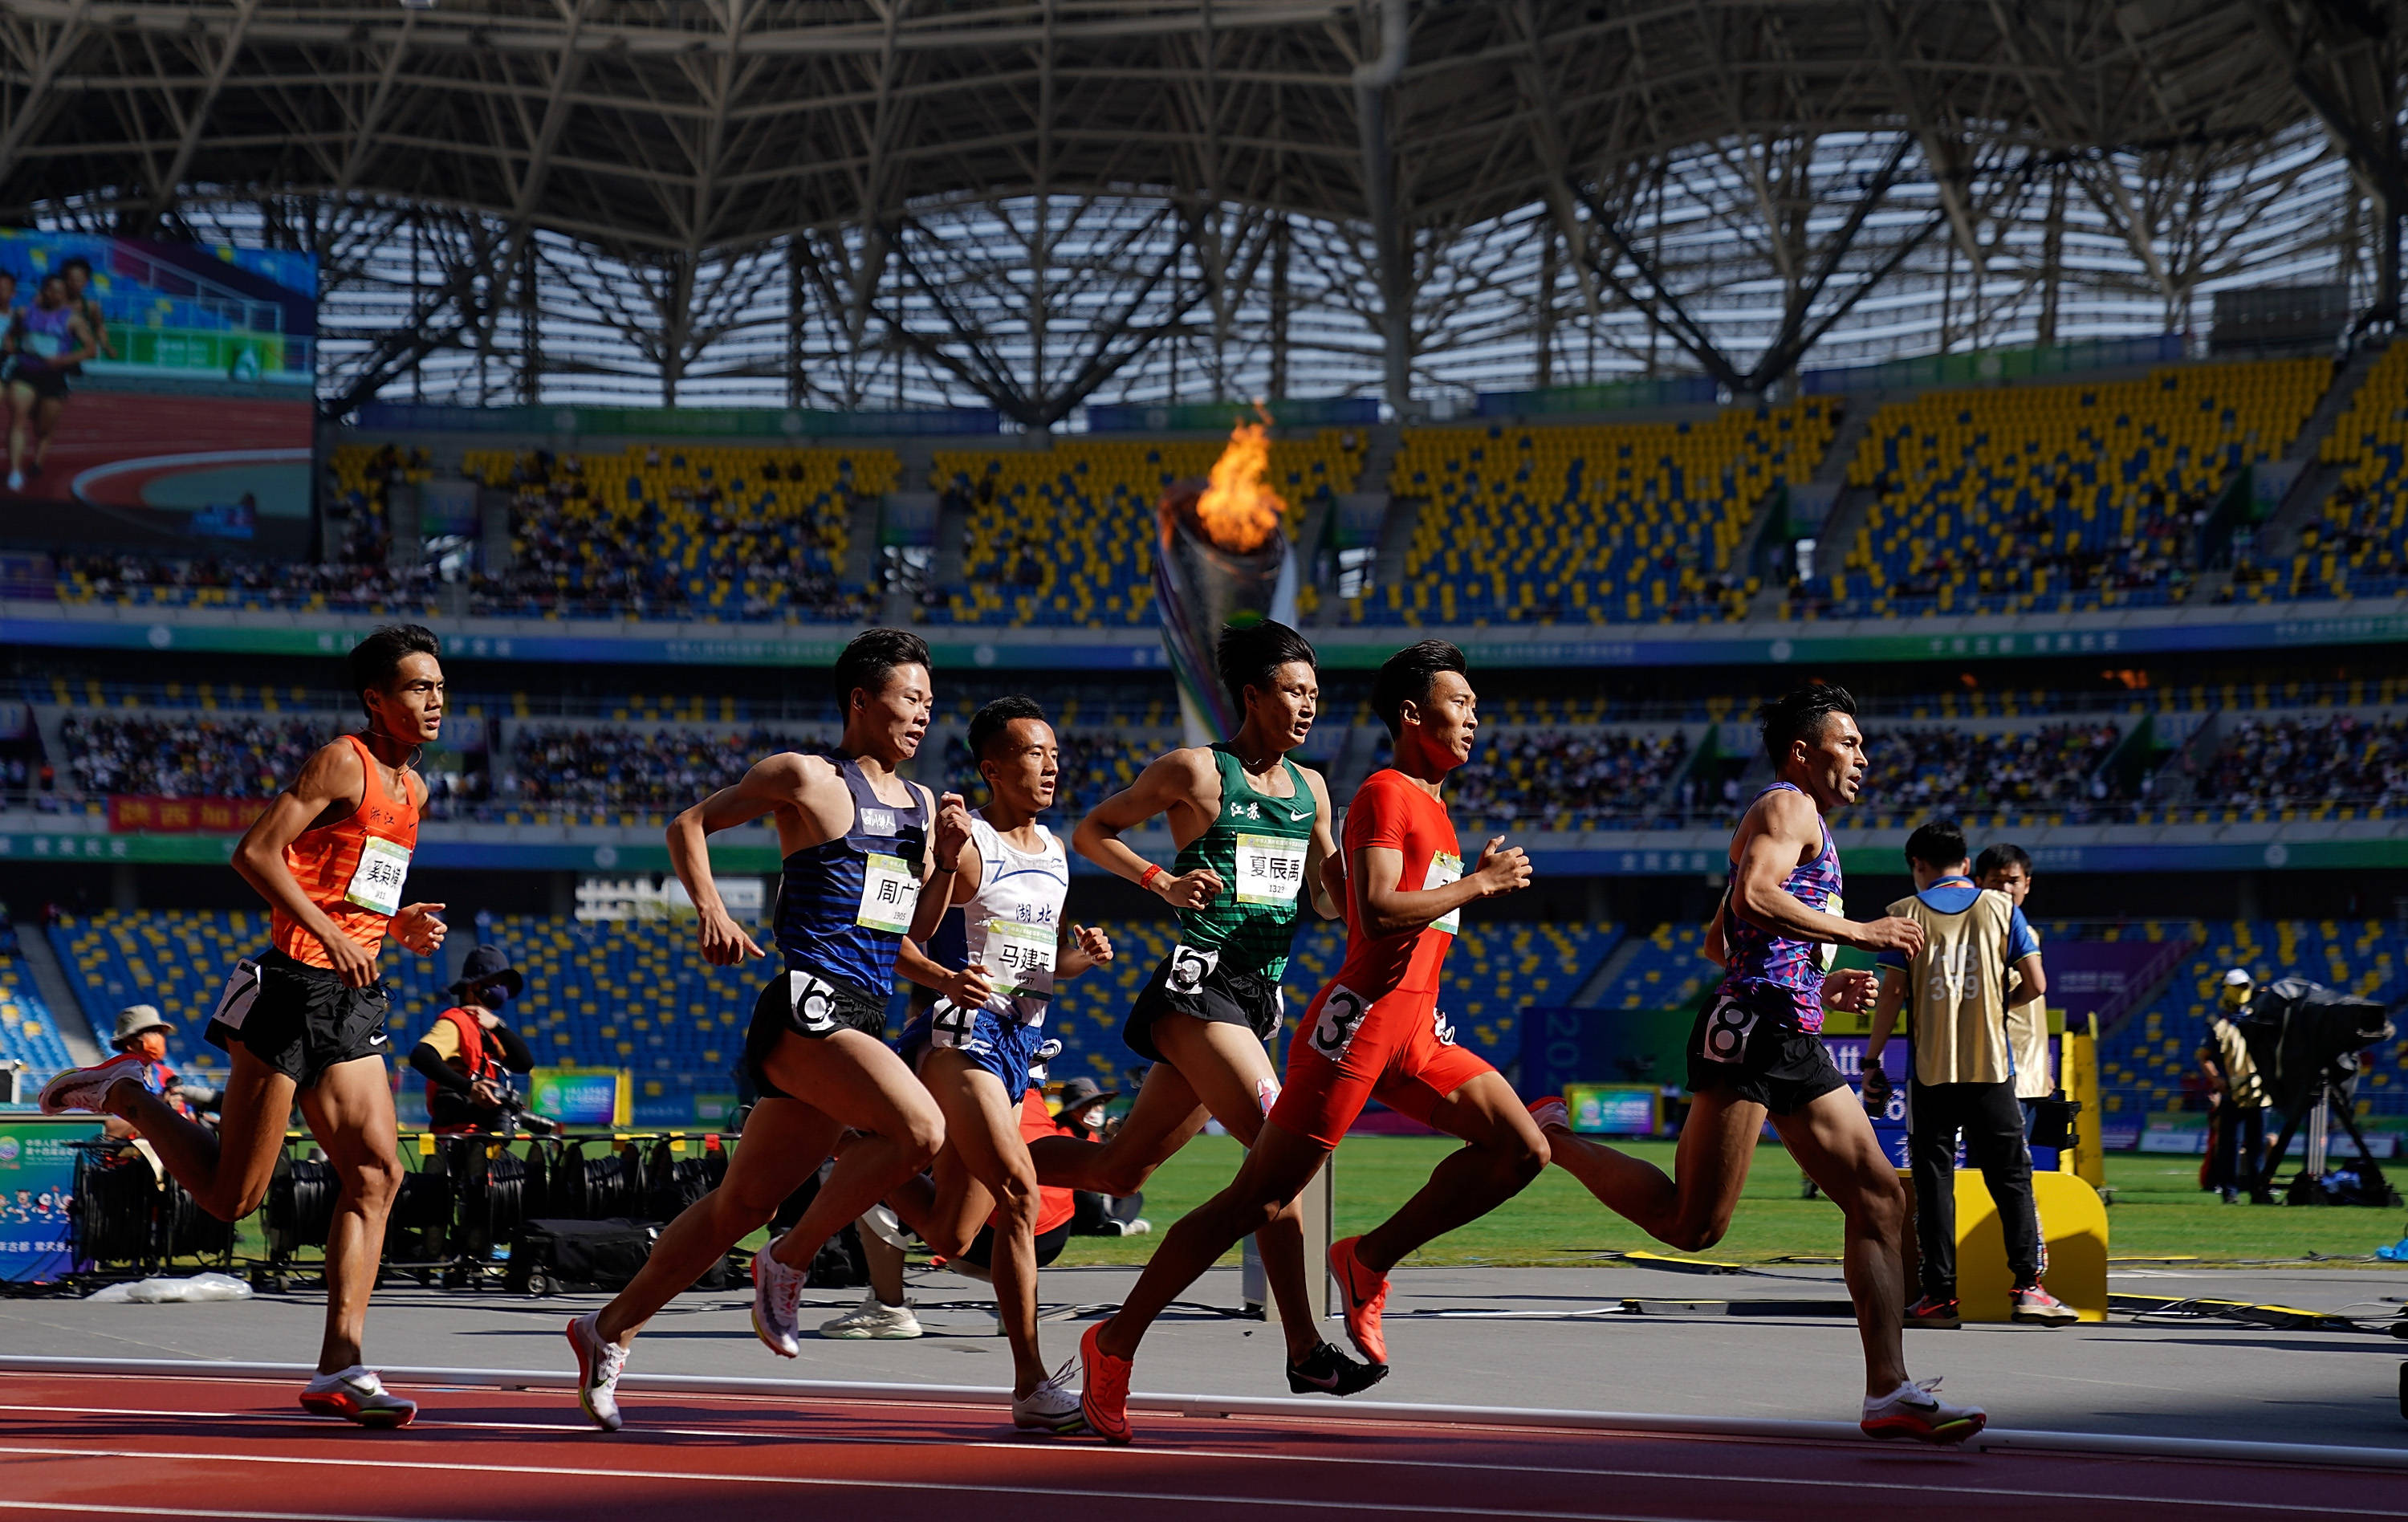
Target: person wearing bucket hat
141,1033
466,1052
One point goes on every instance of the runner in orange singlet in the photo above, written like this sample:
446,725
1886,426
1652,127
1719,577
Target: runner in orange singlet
330,856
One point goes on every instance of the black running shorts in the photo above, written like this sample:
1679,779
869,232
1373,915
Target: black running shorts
807,1005
1746,1042
1194,983
303,1021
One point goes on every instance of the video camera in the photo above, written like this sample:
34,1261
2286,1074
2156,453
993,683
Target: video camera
516,1115
2305,1039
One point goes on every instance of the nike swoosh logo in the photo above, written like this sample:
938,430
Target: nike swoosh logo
1297,819
376,1040
1318,1382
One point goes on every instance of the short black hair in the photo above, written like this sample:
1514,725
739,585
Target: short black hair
870,657
1800,714
377,659
1406,675
1997,859
1248,654
989,723
1940,843
79,262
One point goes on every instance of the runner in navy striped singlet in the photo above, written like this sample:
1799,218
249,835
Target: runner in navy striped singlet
857,843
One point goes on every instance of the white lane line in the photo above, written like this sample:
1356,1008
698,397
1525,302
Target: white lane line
1056,1450
119,1509
981,1488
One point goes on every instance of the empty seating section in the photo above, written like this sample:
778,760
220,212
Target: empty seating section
2357,544
2054,499
29,1032
2149,1065
681,531
1667,970
1592,524
1066,536
2051,773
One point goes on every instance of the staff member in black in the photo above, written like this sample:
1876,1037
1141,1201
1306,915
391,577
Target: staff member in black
466,1051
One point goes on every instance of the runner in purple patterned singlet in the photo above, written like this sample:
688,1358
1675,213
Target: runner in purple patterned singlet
1757,1051
1760,958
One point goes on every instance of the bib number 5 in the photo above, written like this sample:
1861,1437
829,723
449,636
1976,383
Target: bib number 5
1189,968
1728,1025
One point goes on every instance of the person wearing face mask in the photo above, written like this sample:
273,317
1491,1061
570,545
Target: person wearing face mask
1083,1117
142,1033
466,1052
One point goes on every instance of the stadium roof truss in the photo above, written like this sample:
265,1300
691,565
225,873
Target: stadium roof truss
1030,203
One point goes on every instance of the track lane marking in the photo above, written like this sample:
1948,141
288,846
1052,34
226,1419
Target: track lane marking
1955,1487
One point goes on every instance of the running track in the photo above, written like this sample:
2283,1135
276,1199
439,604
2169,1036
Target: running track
77,1446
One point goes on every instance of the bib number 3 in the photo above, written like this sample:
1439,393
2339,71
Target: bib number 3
1341,1017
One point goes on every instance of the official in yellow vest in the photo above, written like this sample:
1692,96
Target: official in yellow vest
1956,993
2241,1098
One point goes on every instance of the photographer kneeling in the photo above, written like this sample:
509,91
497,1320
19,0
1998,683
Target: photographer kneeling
466,1052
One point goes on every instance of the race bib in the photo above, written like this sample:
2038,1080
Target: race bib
1020,958
813,1002
1189,968
890,891
1271,868
376,883
1444,868
47,345
241,991
1728,1025
1341,1016
954,1028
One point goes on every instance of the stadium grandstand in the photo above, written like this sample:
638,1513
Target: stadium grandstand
2033,371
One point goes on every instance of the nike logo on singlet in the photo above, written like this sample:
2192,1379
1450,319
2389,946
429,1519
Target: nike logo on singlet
1298,819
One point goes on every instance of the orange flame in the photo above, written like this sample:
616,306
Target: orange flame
1238,512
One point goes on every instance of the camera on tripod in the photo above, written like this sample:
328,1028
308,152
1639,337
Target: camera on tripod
2305,1039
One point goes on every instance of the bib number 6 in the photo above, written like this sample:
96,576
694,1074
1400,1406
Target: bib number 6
1728,1025
1341,1016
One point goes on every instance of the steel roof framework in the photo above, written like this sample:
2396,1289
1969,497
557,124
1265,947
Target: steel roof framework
854,203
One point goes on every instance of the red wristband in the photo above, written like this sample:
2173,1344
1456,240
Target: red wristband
1145,879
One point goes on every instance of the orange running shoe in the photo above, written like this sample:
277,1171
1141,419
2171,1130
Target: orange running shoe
1367,1295
1103,1389
1915,1411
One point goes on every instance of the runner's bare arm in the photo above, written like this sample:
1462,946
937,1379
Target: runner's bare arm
1782,831
1079,948
86,345
1384,909
1324,865
1716,947
774,782
969,988
949,842
1183,777
332,777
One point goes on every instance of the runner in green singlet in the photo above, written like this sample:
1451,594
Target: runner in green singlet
1255,841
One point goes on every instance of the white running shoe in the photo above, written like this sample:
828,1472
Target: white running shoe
888,1227
874,1319
357,1395
87,1089
1551,1111
1139,1228
599,1363
1916,1410
777,1294
1048,1408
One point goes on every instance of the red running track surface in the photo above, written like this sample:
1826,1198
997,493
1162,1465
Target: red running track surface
96,1446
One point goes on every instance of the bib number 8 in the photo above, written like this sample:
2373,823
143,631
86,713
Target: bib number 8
1341,1016
1728,1025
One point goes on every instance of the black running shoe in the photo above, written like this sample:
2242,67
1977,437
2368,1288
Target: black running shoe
1324,1370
